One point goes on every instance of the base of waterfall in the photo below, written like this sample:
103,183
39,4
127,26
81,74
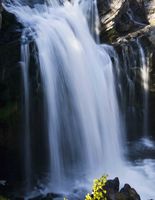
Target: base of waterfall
135,183
112,187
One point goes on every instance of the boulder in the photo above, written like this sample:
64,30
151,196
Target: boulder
112,185
129,193
126,193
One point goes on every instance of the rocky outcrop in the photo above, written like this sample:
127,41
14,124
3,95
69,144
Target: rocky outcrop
121,17
130,69
10,29
150,10
123,25
10,90
114,192
108,10
125,17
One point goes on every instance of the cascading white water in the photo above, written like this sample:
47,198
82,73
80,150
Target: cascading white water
90,10
145,82
80,94
140,173
132,60
82,111
82,115
25,54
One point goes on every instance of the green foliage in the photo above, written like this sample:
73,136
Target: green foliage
98,190
3,198
7,111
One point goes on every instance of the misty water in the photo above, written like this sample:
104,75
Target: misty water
85,129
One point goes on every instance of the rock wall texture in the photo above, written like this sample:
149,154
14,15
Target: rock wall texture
121,17
123,22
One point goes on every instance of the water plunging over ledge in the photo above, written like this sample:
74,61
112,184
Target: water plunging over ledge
84,127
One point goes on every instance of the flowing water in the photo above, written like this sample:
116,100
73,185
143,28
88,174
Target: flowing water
90,11
25,54
145,82
84,126
136,65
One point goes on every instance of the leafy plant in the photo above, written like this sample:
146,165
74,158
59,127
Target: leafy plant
3,198
98,190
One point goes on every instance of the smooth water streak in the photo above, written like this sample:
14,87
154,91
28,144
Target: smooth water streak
145,82
25,57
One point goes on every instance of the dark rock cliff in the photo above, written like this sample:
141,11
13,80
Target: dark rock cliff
120,17
123,22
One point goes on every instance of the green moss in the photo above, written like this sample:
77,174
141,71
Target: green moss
3,198
112,35
7,111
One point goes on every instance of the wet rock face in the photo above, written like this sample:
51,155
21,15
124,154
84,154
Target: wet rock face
10,90
104,6
122,25
108,10
120,17
10,107
10,29
10,97
131,17
12,102
147,38
130,66
10,80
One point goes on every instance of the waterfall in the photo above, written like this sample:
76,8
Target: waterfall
136,62
81,105
133,60
90,11
25,54
145,82
81,112
77,106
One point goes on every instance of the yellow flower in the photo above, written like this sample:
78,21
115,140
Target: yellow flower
98,191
